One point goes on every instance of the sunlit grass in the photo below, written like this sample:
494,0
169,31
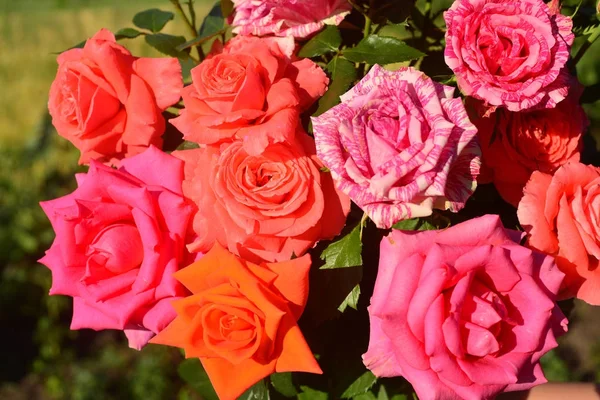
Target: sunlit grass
32,31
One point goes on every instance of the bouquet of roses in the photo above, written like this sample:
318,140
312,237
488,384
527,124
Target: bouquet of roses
306,201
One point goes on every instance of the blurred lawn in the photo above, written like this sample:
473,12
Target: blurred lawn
32,31
42,358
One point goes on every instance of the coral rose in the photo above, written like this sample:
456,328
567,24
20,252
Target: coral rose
463,313
561,214
109,103
119,238
240,320
509,53
253,91
514,144
297,18
265,207
399,145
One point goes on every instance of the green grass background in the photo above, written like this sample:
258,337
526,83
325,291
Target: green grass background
40,357
33,31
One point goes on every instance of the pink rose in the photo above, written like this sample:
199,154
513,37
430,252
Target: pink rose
109,103
509,53
262,207
254,90
399,145
297,18
463,313
119,239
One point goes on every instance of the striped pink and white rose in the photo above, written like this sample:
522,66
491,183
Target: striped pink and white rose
509,53
400,145
297,18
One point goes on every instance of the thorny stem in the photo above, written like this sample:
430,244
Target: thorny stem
189,26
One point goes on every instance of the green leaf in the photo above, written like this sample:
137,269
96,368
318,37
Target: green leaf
193,374
226,8
360,386
77,46
401,31
153,20
327,41
186,145
283,383
365,396
167,44
344,253
213,22
343,74
312,394
351,300
127,33
422,224
258,391
411,224
383,395
382,50
212,25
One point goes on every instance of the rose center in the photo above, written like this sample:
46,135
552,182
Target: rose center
120,247
482,316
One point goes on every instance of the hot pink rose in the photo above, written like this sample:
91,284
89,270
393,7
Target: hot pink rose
297,18
254,90
509,53
262,207
463,313
119,239
561,214
399,145
109,103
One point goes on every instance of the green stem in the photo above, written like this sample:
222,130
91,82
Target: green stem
588,43
189,26
367,30
426,25
363,222
192,12
356,7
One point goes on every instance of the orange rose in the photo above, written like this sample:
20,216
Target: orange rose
109,103
254,90
514,144
262,207
240,320
561,214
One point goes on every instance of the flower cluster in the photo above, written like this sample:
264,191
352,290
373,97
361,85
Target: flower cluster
208,247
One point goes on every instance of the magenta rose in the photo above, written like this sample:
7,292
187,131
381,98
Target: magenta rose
120,236
297,18
509,53
400,145
463,313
